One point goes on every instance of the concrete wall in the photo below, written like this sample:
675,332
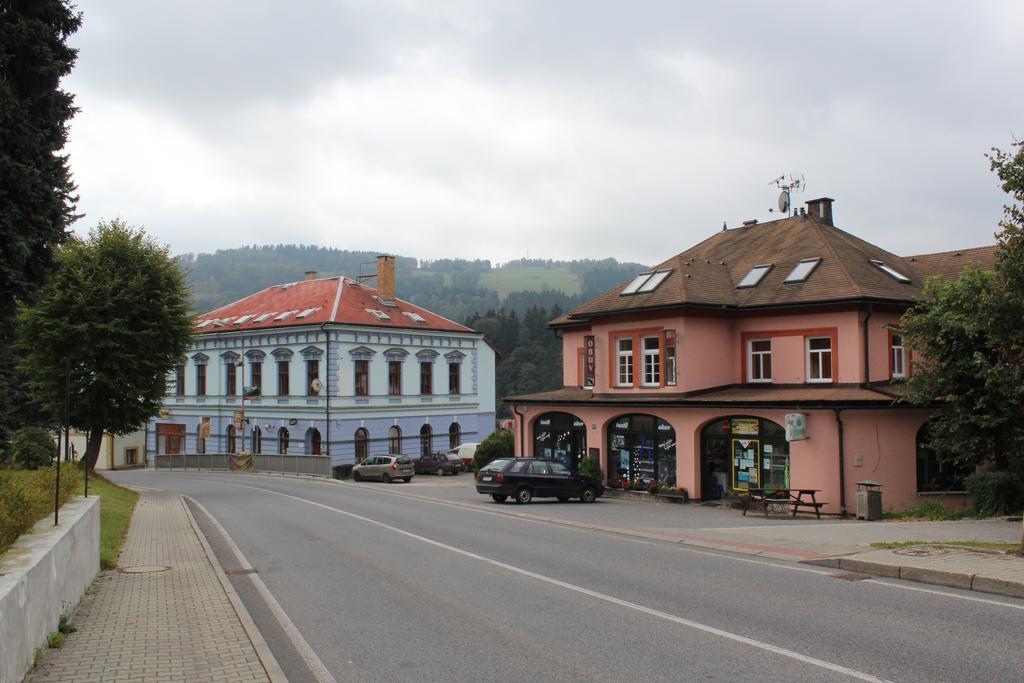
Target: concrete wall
43,575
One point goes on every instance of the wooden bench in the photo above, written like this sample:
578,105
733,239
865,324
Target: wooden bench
794,499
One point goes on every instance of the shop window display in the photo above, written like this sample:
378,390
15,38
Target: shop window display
562,436
740,453
642,448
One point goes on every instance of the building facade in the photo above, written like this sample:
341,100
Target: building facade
766,356
328,366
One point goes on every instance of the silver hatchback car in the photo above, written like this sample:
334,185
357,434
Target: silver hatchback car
384,467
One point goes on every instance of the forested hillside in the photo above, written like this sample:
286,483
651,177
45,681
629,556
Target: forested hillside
509,303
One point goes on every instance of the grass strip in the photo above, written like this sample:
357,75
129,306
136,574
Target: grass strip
968,544
116,506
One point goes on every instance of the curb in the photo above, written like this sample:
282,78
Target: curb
935,577
266,657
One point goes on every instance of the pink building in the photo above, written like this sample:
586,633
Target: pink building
765,356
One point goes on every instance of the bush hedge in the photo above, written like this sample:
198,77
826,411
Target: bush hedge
591,467
500,444
32,447
995,492
27,497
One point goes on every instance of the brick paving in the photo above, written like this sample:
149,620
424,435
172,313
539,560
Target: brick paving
173,625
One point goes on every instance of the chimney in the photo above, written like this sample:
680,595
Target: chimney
386,277
821,209
310,274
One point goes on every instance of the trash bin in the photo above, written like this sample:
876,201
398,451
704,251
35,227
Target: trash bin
869,500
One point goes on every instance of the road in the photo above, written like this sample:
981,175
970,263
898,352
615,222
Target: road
371,584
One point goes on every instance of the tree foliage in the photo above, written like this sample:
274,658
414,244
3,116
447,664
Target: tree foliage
499,444
114,315
970,332
32,448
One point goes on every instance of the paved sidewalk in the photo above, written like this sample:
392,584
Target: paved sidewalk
176,624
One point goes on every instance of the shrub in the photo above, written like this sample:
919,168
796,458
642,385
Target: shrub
500,444
932,510
27,497
996,492
590,467
32,448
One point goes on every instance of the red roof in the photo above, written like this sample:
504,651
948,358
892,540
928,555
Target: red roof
326,300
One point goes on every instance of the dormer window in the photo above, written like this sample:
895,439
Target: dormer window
896,275
645,282
379,315
754,277
415,317
262,317
802,270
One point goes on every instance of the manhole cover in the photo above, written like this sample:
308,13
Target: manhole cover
143,569
922,551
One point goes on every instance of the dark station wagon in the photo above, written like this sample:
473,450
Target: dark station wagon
524,479
437,463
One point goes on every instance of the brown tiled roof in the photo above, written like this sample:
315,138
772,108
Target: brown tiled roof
707,274
732,395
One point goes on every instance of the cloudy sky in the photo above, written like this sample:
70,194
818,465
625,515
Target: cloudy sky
554,129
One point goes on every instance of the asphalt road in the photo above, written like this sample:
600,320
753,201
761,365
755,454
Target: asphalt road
386,587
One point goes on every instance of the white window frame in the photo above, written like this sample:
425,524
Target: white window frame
651,362
755,359
754,277
624,362
802,270
821,353
898,354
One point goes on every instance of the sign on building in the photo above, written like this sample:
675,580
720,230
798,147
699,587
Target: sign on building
796,426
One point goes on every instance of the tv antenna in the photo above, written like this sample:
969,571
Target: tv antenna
788,185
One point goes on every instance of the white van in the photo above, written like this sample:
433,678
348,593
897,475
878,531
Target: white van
466,451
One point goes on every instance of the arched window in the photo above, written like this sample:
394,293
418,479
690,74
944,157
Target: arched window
282,441
642,448
232,446
395,440
426,436
562,436
200,440
454,436
257,440
740,452
313,441
362,441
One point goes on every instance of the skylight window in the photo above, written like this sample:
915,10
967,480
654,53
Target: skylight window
802,270
654,281
380,315
754,277
306,313
284,315
633,286
889,271
205,323
262,317
244,318
415,317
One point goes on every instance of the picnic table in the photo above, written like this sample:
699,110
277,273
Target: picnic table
795,499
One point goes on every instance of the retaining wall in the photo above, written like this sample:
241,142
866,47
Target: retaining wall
43,575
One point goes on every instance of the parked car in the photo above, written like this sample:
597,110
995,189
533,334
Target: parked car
465,452
524,479
437,463
384,467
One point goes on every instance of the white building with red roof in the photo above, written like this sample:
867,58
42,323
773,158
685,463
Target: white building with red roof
328,366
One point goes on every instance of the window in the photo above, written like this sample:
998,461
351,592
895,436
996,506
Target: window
670,357
454,384
633,286
313,441
284,315
362,443
201,433
802,270
624,351
652,361
379,315
394,440
312,374
257,440
256,375
362,377
645,282
426,378
896,275
426,437
179,379
454,436
394,378
935,475
282,440
283,381
231,378
306,313
130,455
415,317
754,277
761,360
261,318
232,446
819,359
898,358
200,380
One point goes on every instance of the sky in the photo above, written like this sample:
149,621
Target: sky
552,129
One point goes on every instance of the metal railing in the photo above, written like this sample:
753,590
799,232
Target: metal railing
315,465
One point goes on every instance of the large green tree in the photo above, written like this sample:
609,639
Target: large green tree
37,201
115,315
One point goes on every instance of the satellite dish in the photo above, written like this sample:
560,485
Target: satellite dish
784,201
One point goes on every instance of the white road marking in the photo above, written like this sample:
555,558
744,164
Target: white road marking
316,667
689,623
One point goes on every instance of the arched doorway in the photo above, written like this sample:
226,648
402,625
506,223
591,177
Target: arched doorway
282,440
426,436
362,443
394,440
232,446
257,440
739,453
313,441
642,448
562,436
